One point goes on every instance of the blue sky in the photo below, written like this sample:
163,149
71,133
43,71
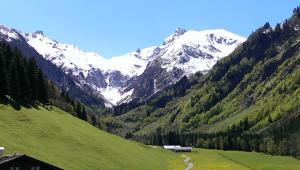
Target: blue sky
115,27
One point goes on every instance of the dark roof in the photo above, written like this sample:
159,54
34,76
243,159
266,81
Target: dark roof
8,158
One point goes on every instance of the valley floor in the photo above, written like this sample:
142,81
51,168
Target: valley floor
207,159
63,140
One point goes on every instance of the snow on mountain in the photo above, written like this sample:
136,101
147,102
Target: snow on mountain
133,63
119,78
64,81
194,51
182,53
66,56
71,58
83,65
130,65
8,33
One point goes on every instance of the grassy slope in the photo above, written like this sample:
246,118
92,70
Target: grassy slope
236,160
141,124
265,95
61,139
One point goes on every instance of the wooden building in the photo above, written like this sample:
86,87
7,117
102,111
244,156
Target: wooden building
24,162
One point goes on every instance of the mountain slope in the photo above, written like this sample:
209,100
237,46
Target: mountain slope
249,100
59,138
62,80
182,54
118,79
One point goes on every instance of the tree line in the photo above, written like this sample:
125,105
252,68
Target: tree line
21,79
272,140
23,82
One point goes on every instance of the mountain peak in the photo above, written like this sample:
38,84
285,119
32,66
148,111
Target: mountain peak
9,33
179,31
138,51
38,32
222,33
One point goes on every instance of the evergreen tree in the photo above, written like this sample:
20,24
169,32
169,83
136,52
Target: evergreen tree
7,53
24,82
277,30
83,114
14,88
3,77
42,89
77,108
32,71
80,111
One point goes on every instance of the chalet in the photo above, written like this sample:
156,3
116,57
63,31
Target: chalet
177,148
23,162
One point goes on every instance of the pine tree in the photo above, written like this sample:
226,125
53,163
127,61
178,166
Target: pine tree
24,82
77,108
3,77
80,111
32,72
94,120
7,53
42,89
83,114
277,30
14,88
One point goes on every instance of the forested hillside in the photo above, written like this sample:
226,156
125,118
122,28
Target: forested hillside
250,100
22,83
21,79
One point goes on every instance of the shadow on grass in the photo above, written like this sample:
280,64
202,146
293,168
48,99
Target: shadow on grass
17,105
6,101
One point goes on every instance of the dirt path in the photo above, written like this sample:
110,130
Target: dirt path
187,160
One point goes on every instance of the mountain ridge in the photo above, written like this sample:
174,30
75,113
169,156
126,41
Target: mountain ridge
248,101
53,73
118,79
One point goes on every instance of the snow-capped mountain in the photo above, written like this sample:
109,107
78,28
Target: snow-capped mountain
64,81
106,76
140,73
183,53
71,59
193,51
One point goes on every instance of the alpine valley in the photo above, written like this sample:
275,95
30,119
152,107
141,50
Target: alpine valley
249,100
234,100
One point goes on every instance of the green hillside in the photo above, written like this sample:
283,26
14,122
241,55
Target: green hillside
248,101
59,138
63,140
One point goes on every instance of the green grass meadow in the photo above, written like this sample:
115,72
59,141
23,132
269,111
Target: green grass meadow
236,160
63,140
